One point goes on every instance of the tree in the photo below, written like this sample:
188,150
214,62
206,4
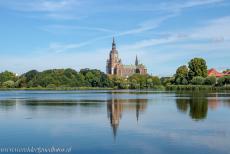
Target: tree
6,76
210,80
8,84
221,81
167,80
156,81
184,81
225,80
134,84
119,82
182,71
181,75
197,67
141,80
198,80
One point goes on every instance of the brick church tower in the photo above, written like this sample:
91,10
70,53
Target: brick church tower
114,65
113,60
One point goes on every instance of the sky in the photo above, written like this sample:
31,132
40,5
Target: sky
48,34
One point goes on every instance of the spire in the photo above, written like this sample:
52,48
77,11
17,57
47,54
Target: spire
113,44
136,61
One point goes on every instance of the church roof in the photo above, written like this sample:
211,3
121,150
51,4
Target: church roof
129,66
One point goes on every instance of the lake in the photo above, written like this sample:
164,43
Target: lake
119,121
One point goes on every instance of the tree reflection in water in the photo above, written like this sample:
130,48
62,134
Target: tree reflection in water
7,104
196,103
115,108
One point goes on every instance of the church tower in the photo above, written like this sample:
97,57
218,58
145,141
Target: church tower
113,60
114,65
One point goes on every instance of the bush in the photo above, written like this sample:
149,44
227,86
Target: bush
51,86
223,81
8,84
184,81
198,80
227,79
210,80
156,81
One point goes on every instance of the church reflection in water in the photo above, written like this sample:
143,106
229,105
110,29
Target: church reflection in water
115,108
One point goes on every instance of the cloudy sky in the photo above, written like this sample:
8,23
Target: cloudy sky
44,34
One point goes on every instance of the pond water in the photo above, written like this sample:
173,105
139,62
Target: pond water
116,121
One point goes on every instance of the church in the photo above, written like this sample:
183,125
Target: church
114,65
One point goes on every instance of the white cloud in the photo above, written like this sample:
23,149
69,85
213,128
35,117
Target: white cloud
40,5
72,9
214,29
164,6
71,28
55,9
175,7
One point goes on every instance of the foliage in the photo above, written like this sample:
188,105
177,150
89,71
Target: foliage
6,76
223,81
8,84
197,67
138,81
210,80
165,81
196,88
198,80
182,71
181,76
58,78
119,82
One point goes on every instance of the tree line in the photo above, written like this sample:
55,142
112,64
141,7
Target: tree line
193,74
196,73
71,78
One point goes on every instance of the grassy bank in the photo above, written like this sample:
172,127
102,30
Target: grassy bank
58,88
197,87
160,87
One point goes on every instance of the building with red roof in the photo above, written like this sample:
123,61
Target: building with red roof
214,72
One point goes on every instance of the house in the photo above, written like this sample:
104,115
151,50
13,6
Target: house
214,72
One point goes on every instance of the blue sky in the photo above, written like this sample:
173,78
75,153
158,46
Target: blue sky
45,34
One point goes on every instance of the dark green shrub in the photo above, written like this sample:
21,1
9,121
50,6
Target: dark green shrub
198,80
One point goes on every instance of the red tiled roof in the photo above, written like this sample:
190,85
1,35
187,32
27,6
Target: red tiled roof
214,72
227,73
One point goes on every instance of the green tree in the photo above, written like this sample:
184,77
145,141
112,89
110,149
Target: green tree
182,71
119,82
210,80
165,81
184,81
197,67
156,81
198,80
221,81
6,76
8,84
181,75
227,79
141,80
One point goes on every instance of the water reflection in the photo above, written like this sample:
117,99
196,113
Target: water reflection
115,108
7,104
196,104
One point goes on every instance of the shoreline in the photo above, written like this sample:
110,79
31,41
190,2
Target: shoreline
162,88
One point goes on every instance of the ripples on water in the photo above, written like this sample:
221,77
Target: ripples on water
117,121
